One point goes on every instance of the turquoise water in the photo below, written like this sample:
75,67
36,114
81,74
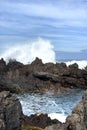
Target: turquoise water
50,103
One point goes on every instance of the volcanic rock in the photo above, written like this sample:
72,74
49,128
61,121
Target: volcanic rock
39,77
2,67
10,112
39,120
8,85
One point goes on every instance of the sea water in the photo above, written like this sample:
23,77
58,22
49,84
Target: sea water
56,106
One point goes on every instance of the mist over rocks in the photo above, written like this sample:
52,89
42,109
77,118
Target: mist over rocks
39,77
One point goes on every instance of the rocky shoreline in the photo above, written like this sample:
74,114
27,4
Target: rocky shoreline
38,77
16,77
12,118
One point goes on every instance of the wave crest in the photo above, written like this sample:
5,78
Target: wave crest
82,64
26,53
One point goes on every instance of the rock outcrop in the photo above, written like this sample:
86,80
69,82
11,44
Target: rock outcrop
85,109
39,77
8,85
39,120
10,112
2,66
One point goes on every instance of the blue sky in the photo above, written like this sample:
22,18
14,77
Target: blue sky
63,22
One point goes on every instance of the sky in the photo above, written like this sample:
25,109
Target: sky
62,22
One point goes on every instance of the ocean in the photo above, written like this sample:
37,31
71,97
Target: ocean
56,106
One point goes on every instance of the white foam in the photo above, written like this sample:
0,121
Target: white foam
27,52
61,117
82,64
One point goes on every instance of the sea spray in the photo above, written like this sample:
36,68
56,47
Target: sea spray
27,52
59,116
81,64
40,48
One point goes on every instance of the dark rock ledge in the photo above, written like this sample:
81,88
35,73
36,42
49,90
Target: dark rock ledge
38,77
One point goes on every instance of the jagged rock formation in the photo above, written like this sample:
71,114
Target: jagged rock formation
2,66
39,77
10,112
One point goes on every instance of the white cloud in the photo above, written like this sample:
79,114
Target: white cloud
64,13
47,10
62,21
